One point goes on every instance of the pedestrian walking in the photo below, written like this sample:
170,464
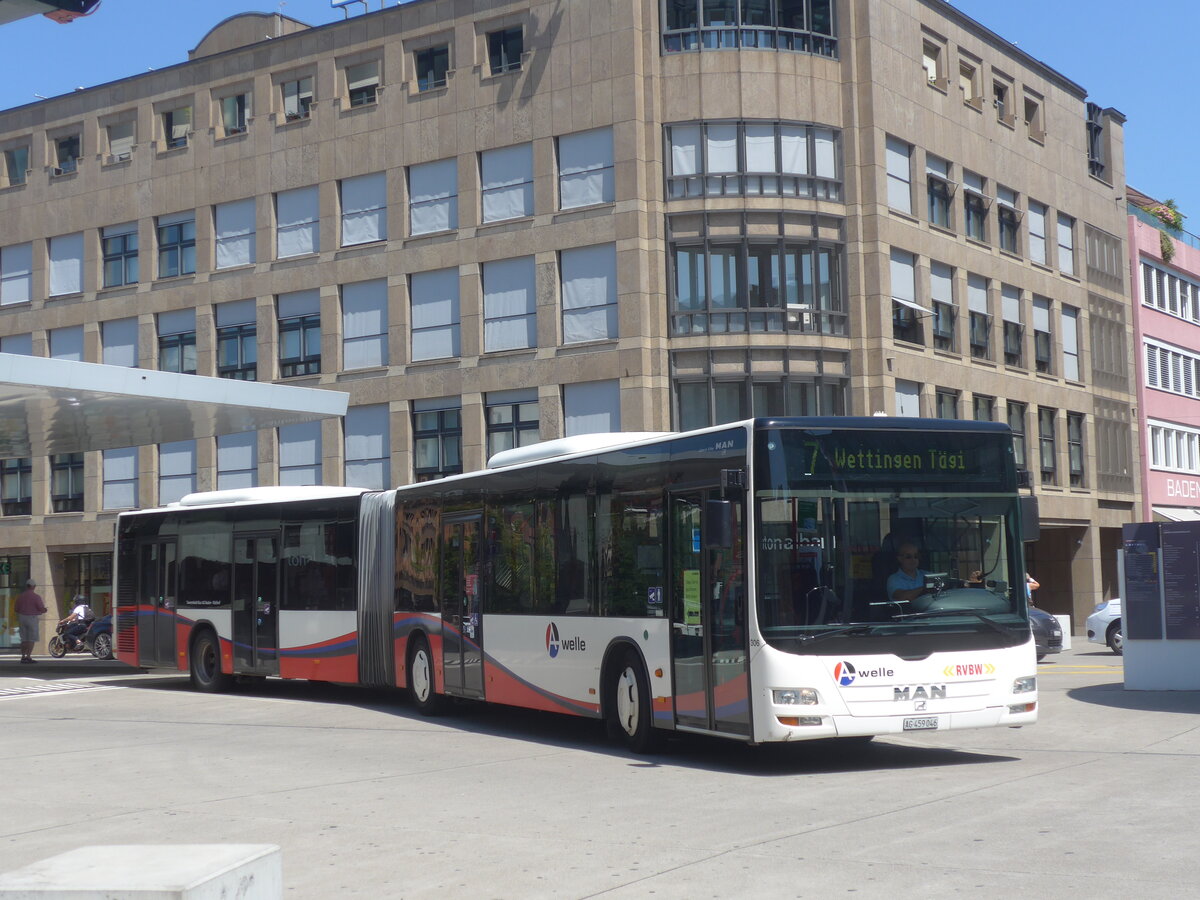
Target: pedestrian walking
30,609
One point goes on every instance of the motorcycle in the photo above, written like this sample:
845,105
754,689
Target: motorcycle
60,645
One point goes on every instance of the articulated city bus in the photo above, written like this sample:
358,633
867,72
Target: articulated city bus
736,581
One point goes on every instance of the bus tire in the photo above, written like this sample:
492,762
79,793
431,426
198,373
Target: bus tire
204,664
630,714
421,685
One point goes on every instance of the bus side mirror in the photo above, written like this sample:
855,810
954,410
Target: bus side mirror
1030,521
718,524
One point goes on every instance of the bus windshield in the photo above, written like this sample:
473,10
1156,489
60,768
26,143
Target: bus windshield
887,555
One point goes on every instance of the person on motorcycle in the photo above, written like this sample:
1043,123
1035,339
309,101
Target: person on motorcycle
77,622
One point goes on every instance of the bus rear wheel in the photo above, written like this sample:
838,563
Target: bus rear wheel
630,713
205,664
421,685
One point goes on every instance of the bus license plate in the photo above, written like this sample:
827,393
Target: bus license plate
921,723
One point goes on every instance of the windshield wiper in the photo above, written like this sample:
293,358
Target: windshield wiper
860,628
939,613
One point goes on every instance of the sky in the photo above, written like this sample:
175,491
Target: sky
1138,58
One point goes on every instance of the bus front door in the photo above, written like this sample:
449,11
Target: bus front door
256,604
462,622
708,618
156,601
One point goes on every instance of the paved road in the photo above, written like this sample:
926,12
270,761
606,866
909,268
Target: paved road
369,799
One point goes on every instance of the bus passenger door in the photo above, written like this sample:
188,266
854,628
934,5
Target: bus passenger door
462,623
157,573
256,603
708,618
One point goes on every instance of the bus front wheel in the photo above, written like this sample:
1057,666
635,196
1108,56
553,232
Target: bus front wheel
420,678
629,709
205,664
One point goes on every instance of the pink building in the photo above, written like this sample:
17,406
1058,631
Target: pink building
1165,277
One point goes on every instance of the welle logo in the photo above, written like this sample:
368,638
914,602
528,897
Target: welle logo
555,644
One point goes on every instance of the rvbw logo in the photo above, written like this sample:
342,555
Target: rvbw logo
555,644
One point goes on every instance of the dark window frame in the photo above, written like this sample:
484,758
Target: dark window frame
236,335
174,242
120,250
180,347
446,429
68,467
306,361
504,53
18,472
431,65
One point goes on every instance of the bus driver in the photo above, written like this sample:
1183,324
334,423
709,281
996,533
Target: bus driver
907,583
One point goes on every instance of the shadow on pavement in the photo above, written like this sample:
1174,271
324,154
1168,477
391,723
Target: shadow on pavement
574,733
1114,695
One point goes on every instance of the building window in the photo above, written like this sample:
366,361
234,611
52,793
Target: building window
435,314
1095,140
120,478
945,313
1036,217
1014,330
237,460
177,125
362,83
66,482
236,238
437,439
237,340
591,407
67,343
1002,101
980,318
432,64
1007,219
1075,449
1043,342
66,154
299,333
16,166
906,312
119,246
16,274
1171,370
585,168
16,476
433,197
300,454
753,158
364,209
297,222
899,175
509,305
968,83
504,50
66,264
931,62
1070,338
368,457
975,204
119,342
235,113
177,342
589,293
1016,422
730,285
507,181
1172,447
946,402
1066,244
364,324
1033,117
801,26
983,408
1047,446
297,98
719,399
120,141
939,188
176,245
512,419
908,399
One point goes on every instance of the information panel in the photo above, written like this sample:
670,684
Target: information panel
1181,580
1141,597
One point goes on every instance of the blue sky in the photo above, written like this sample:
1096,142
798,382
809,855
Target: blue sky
1138,58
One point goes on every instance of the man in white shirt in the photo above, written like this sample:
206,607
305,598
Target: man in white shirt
77,622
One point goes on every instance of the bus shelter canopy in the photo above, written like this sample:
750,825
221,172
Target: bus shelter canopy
50,406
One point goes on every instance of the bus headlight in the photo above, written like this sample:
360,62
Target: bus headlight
795,697
1025,685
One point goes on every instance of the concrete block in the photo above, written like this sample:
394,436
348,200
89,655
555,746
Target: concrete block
152,872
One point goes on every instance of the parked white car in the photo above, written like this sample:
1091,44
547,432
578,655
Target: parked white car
1104,626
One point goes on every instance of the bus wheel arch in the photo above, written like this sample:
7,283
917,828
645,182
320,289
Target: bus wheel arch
627,704
422,683
204,661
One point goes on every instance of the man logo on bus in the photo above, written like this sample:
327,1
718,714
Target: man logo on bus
552,642
843,674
